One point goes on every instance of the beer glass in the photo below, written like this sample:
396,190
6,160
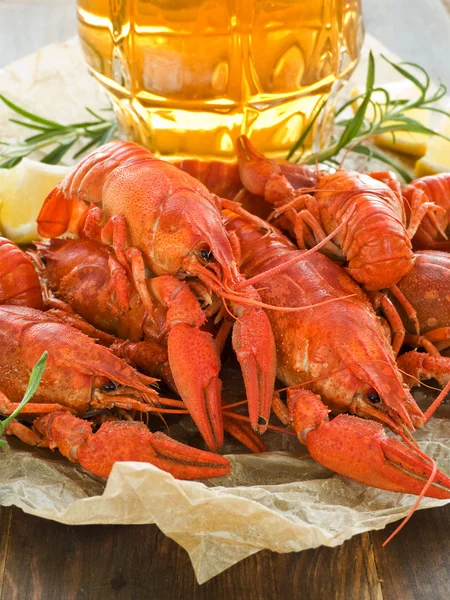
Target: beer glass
187,77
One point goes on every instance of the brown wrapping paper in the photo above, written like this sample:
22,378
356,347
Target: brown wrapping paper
281,500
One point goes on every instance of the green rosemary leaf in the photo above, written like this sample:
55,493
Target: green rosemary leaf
30,125
94,114
86,147
408,75
388,115
53,157
33,384
107,134
353,128
47,135
371,153
29,115
407,124
298,144
435,109
10,162
90,133
15,151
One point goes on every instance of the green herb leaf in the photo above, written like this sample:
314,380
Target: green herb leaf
29,125
107,134
33,384
29,115
299,143
53,157
10,163
50,133
371,153
94,114
388,116
357,122
408,75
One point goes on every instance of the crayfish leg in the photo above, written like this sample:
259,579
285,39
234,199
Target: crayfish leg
7,407
242,432
420,365
193,356
126,441
407,306
393,318
26,435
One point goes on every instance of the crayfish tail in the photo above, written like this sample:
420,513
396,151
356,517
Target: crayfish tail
54,217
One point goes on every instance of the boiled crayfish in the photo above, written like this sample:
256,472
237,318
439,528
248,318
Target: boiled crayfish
158,218
339,351
169,242
82,377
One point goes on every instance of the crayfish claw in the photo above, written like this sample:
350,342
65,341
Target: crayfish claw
126,441
254,345
360,450
195,366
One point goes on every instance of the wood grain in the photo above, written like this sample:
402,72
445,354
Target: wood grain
415,565
5,527
43,559
52,561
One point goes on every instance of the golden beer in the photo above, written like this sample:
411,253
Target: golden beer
187,77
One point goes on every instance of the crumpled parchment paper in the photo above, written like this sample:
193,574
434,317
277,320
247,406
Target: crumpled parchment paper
281,501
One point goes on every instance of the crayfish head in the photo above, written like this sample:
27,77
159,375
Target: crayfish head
190,236
106,392
400,414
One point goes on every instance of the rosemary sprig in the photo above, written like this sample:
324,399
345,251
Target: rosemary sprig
60,138
33,384
389,116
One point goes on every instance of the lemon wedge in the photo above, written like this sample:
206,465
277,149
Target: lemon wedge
23,190
437,158
412,144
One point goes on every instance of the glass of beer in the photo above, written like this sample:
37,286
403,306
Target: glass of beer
187,77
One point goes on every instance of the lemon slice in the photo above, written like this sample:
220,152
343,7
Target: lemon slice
437,158
23,190
412,144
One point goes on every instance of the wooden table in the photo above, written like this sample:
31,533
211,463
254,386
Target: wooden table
45,560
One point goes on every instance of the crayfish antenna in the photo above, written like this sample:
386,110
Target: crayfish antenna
421,495
420,365
289,263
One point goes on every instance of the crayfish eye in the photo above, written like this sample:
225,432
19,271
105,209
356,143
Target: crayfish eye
374,397
206,255
108,386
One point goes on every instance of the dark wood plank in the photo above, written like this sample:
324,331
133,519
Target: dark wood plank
415,564
52,561
5,527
